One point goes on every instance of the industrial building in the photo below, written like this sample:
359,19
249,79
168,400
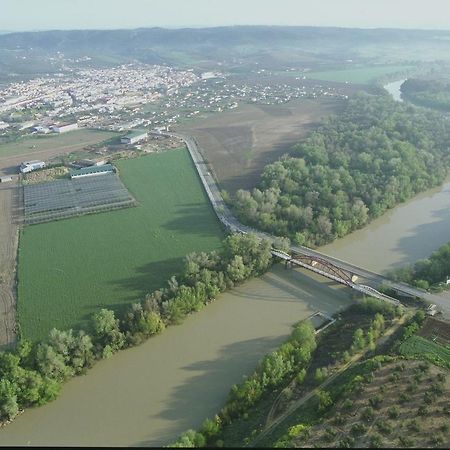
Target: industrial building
64,128
91,171
134,136
29,166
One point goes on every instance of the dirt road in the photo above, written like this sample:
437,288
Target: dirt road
8,250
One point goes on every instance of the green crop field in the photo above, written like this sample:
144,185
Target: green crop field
418,347
363,75
71,268
72,141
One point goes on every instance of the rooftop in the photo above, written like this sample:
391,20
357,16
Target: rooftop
92,170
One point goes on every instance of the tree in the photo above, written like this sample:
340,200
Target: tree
359,341
325,400
52,364
8,400
236,269
106,330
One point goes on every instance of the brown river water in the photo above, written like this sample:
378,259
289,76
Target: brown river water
150,394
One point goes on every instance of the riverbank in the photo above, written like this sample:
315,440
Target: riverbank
148,395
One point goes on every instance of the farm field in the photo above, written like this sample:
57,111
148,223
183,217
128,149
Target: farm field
71,268
401,405
44,147
364,75
418,347
240,143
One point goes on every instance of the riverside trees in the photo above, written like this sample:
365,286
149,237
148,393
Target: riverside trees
376,154
32,374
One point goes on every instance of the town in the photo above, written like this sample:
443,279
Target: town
133,95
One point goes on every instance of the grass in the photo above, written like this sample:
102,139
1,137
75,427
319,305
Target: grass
420,348
71,268
364,75
74,140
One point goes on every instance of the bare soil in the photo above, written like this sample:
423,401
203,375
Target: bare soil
8,248
240,143
436,330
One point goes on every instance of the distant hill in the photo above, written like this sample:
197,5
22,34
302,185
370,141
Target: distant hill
269,46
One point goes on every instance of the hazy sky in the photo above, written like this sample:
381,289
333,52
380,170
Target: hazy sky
64,14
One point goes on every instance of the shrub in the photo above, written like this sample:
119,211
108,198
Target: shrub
393,412
376,441
384,427
358,429
406,441
368,414
376,401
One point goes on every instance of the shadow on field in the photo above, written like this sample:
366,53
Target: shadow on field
194,220
149,277
207,385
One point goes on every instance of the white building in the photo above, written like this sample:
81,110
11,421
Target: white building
29,166
65,127
133,137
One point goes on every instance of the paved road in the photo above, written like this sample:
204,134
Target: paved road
227,218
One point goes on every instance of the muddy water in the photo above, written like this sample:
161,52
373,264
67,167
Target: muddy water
405,234
149,394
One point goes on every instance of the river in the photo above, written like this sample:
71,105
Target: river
148,395
403,235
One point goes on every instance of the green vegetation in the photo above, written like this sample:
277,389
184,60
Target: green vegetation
72,268
420,348
427,273
72,141
362,75
376,154
32,374
292,356
288,373
430,93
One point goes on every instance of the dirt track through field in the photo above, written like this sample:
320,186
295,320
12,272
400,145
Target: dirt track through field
8,251
240,143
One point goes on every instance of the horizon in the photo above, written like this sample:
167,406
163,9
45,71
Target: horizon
51,15
199,27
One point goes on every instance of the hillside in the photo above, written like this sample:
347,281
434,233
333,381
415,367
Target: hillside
237,47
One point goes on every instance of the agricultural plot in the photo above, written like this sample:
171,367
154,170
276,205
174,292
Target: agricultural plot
71,268
240,143
61,199
401,405
436,331
364,75
418,347
74,140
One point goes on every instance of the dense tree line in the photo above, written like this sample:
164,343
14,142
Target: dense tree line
430,93
372,156
426,273
32,374
292,356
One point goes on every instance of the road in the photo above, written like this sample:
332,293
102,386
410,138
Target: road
227,218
